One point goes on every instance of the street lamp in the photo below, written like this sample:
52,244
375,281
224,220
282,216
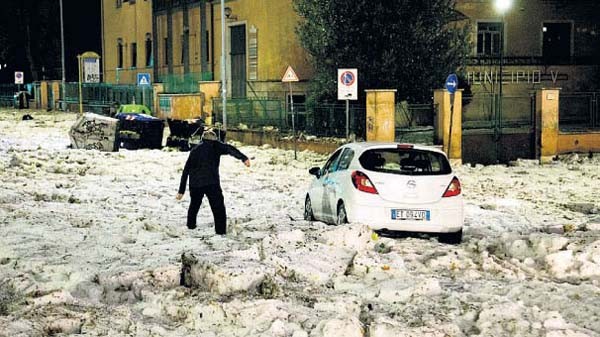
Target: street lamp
62,54
502,6
223,67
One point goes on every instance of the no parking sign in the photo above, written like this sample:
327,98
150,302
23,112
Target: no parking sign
347,84
19,78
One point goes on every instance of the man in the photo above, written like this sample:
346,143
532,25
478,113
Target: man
202,167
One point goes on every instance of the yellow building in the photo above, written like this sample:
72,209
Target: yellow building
127,40
260,43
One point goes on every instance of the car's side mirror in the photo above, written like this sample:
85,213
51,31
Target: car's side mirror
315,171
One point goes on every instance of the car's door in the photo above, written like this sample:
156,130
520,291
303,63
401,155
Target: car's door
318,186
333,184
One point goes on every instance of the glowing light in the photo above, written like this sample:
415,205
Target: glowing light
503,5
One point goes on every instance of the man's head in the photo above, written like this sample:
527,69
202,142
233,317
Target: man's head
209,135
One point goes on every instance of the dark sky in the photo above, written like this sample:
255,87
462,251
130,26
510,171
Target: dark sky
83,29
82,33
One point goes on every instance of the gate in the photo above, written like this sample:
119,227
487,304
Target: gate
578,111
494,134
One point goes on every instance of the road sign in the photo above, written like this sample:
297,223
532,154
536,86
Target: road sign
290,75
91,70
348,84
19,78
452,83
143,79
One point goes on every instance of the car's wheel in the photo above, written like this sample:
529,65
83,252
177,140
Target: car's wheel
342,217
308,213
451,238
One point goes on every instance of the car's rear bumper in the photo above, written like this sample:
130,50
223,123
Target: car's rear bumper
446,217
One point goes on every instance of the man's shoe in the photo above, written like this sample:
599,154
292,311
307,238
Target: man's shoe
191,226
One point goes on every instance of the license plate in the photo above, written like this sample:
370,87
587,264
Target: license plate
411,214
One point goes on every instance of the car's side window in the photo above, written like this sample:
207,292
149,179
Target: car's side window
345,160
331,163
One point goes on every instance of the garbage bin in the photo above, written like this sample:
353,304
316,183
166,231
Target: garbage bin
140,131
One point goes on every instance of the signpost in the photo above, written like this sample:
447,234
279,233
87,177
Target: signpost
347,91
89,72
144,80
451,86
289,77
19,78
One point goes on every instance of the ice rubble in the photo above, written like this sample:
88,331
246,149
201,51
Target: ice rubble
93,242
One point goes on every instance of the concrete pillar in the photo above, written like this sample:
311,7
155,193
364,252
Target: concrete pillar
209,90
547,122
43,99
158,88
381,111
451,140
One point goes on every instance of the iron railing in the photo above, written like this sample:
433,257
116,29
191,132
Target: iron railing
579,111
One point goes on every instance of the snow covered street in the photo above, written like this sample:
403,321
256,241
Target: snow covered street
95,243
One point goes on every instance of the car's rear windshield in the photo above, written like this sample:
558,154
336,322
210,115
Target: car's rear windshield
405,161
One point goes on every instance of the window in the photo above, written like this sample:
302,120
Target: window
119,3
406,162
557,42
148,50
489,38
345,160
119,53
331,163
166,51
134,55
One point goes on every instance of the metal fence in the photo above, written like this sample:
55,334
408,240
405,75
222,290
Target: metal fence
7,94
579,111
325,120
99,97
415,123
184,83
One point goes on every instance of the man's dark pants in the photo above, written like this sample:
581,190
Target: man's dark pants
217,205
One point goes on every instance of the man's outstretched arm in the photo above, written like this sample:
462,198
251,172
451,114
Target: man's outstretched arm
234,152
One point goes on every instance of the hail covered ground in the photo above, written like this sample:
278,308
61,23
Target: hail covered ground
95,243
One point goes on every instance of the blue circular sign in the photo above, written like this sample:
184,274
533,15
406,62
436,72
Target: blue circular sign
452,83
347,78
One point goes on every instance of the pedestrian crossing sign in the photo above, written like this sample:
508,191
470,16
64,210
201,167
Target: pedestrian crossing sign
290,75
143,79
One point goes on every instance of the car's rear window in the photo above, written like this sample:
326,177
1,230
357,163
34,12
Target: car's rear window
405,161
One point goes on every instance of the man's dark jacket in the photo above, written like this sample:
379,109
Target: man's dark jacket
202,165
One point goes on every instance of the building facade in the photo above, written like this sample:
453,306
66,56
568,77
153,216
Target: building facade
542,43
127,40
182,39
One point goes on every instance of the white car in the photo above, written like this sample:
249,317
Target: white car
390,187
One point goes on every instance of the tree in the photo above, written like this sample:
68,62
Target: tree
408,45
30,37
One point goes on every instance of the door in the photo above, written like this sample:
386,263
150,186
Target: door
333,184
238,61
317,190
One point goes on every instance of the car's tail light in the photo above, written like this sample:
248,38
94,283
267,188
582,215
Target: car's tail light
453,189
363,183
405,146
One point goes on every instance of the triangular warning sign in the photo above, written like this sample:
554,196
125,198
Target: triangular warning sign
290,75
144,81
